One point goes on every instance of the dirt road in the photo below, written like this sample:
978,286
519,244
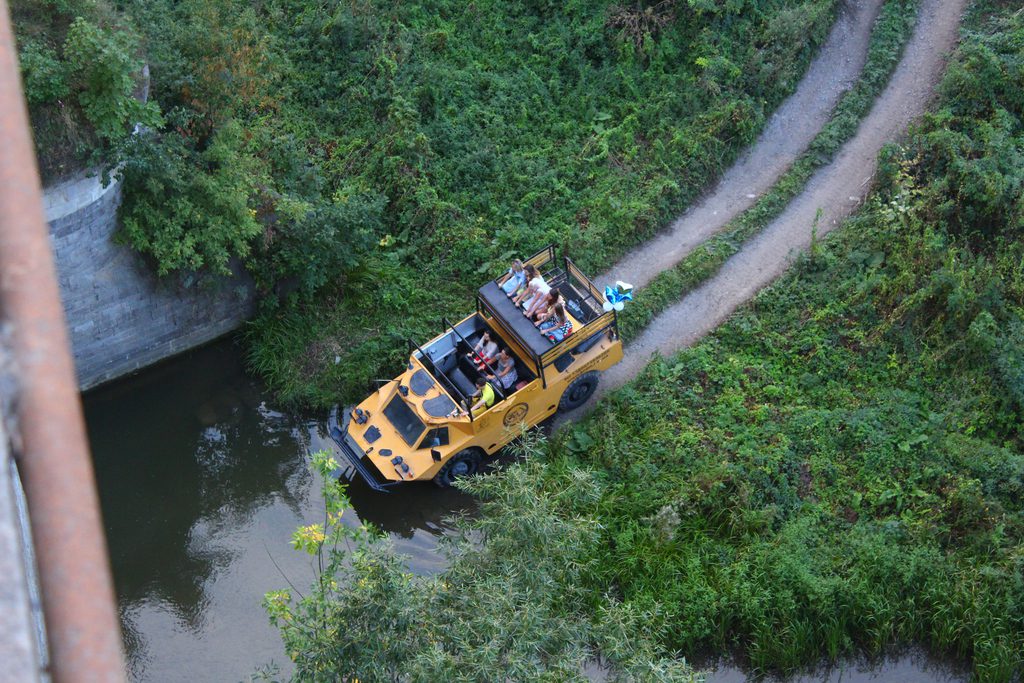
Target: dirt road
787,135
836,190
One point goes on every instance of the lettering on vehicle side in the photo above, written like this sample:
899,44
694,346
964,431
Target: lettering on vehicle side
580,370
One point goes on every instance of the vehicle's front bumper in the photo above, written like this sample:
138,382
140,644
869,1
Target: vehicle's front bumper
355,460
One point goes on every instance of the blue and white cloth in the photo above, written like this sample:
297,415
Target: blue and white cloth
514,283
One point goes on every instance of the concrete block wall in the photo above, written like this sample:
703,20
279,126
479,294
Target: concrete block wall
121,316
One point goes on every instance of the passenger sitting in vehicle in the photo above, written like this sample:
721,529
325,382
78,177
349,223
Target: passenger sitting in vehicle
486,394
506,373
558,326
542,301
485,351
535,286
514,280
547,307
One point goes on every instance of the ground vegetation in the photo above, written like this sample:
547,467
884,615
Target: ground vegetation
81,67
370,162
840,467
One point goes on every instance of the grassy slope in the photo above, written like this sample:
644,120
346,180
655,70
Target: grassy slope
494,129
891,31
840,467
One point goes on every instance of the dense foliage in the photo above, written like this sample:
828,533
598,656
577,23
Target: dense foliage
408,150
397,154
839,468
511,607
80,64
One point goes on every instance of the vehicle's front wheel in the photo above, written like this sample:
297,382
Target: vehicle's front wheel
581,389
463,464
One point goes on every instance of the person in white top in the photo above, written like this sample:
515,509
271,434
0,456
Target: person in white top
541,304
485,351
546,307
536,302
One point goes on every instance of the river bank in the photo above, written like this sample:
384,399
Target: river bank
202,482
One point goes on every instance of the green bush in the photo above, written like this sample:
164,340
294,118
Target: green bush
510,606
972,148
103,66
80,63
43,73
325,243
186,219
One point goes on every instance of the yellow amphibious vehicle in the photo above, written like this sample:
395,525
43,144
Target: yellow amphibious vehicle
415,427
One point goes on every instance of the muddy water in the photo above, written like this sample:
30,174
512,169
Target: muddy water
908,666
202,481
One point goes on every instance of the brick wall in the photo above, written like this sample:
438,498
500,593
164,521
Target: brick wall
121,316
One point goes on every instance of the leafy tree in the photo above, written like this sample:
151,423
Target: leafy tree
317,243
81,62
44,75
187,207
509,607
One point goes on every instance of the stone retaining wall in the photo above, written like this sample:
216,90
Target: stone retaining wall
121,316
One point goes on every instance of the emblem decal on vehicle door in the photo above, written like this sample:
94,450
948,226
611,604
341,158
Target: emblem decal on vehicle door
515,414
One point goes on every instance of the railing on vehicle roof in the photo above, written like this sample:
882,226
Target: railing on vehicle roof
595,293
542,257
579,336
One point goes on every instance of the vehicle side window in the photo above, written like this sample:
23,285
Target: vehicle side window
435,437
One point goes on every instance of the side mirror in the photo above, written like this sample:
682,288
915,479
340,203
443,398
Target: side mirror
435,454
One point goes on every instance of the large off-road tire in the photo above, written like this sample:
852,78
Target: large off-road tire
463,464
581,389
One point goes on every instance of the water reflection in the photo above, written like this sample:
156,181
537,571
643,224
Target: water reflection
908,666
202,482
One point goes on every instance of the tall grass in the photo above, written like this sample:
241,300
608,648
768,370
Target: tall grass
840,468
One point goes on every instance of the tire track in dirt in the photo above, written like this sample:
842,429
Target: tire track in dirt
788,133
836,191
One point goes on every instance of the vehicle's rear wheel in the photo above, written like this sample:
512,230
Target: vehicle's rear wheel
463,464
581,389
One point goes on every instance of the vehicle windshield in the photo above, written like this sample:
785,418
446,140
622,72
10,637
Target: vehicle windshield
405,422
